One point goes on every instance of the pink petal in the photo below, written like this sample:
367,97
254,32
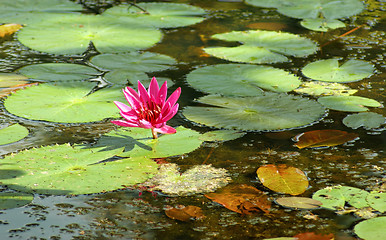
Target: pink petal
174,97
123,107
163,92
171,113
153,89
165,130
145,124
124,123
144,96
132,97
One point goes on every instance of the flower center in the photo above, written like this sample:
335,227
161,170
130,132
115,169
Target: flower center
150,111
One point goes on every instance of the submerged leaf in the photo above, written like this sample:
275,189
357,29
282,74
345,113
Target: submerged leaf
11,79
298,202
323,138
329,70
241,79
221,135
64,102
157,15
262,46
185,214
14,199
12,134
271,111
58,72
62,169
316,88
348,103
282,178
368,120
321,24
131,66
242,199
198,179
314,236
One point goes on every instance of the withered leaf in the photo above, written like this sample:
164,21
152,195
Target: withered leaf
183,213
243,199
8,29
323,138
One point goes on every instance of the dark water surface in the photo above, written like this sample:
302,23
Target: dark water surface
129,215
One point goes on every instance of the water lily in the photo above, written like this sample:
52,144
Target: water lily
149,108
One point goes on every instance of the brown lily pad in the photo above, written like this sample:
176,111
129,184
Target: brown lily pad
323,138
184,214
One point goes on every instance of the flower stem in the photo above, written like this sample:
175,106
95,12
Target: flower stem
154,133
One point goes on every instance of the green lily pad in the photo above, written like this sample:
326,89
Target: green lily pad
58,72
14,199
371,229
62,169
72,33
198,179
138,142
321,24
262,46
23,12
64,102
221,135
11,79
334,198
368,120
158,15
12,134
132,66
348,103
241,79
329,9
377,200
270,111
316,88
329,70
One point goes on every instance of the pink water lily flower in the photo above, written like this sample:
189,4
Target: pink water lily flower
149,109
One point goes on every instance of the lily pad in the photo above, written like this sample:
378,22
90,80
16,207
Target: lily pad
348,103
12,134
138,142
316,88
377,200
241,79
198,179
63,169
323,138
132,66
71,34
221,135
64,102
329,9
157,15
11,79
321,24
334,198
262,46
58,72
371,229
14,199
23,12
368,120
271,111
329,70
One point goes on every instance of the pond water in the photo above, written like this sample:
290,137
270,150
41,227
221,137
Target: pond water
133,214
